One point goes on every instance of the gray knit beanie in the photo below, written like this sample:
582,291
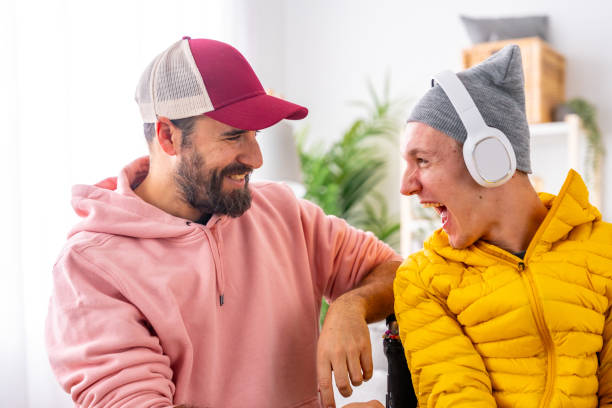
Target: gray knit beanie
496,86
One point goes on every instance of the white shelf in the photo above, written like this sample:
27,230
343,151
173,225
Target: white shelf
571,130
548,129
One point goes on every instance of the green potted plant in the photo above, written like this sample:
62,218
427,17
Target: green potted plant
343,177
588,115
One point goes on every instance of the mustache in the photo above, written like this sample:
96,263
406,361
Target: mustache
236,168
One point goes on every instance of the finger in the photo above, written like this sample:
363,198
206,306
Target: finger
354,367
370,404
342,377
366,363
324,377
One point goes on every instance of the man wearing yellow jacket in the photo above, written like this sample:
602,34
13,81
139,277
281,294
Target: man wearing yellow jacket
508,304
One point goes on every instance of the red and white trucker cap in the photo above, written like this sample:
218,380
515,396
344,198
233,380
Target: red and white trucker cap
200,76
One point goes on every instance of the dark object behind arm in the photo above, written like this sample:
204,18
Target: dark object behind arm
400,392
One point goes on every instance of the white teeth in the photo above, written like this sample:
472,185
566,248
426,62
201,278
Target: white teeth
427,205
238,176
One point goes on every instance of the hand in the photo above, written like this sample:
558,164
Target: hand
344,348
369,404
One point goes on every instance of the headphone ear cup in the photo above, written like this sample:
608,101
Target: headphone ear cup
489,158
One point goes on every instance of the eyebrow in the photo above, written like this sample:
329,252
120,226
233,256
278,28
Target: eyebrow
234,132
416,151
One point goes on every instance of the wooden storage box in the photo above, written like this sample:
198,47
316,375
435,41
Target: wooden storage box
544,70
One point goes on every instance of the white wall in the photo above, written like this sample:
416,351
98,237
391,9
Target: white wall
11,304
333,46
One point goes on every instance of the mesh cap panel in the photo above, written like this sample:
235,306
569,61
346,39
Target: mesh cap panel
172,86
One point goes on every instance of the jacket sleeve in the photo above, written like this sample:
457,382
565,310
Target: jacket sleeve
339,254
601,264
604,373
446,369
98,343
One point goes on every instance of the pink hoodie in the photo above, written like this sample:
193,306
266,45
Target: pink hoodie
135,318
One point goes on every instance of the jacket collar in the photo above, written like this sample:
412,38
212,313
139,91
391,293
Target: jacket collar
569,209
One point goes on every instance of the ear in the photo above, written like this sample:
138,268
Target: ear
166,134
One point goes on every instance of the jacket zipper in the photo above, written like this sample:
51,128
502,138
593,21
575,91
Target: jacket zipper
543,331
538,313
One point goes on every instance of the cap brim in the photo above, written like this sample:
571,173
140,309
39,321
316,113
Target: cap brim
258,112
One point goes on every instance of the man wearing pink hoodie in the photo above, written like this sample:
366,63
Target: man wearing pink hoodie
183,285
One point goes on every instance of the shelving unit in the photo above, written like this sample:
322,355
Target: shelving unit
555,148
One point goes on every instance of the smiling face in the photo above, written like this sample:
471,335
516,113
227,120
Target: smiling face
436,172
213,168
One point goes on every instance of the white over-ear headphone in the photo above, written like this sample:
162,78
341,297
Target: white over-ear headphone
487,153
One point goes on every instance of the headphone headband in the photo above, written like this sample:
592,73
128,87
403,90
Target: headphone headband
461,100
488,155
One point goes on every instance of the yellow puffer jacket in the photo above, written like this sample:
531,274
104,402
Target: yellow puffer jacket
483,328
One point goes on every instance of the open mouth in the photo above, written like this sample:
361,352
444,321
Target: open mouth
237,180
238,177
440,209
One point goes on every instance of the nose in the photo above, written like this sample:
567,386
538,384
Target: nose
251,155
410,182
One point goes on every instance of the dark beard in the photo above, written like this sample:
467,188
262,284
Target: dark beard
204,191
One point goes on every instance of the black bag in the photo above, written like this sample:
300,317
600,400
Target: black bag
400,392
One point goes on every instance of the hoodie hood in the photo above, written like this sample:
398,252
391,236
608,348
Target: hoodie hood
111,206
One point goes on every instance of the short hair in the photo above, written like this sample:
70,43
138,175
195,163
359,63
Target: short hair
186,125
